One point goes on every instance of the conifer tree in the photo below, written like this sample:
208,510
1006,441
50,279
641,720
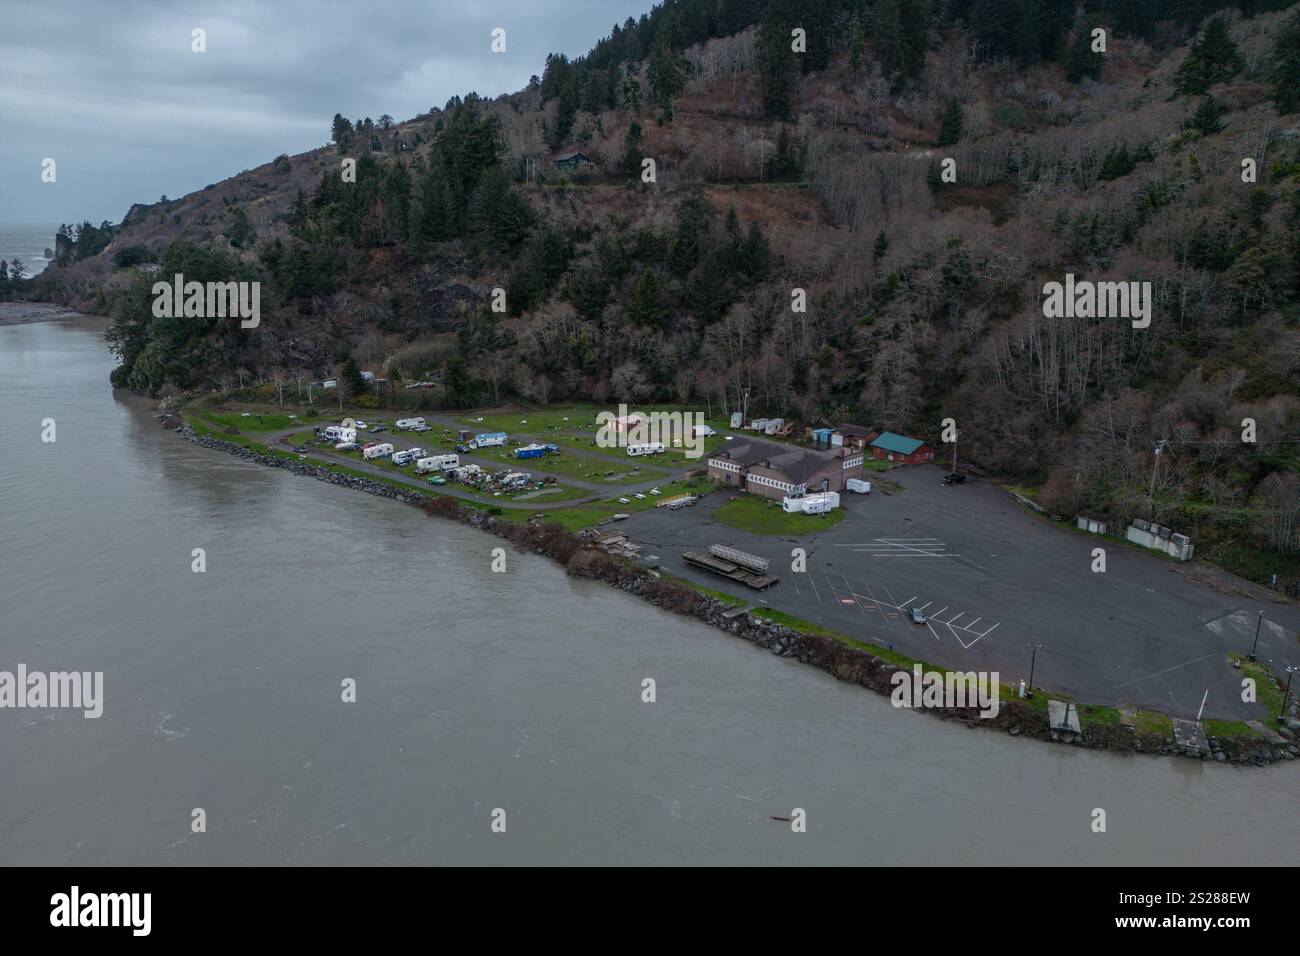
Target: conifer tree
1212,59
950,127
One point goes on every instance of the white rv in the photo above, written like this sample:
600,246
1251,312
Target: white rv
858,485
436,463
653,448
773,426
340,433
702,431
377,451
815,504
408,456
736,419
407,423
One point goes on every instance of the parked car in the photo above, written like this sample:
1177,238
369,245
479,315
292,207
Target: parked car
362,426
437,480
463,449
917,616
379,428
956,478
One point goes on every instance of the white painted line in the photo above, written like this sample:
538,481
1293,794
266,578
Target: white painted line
940,611
991,630
955,616
1196,660
972,623
936,636
925,605
813,582
911,599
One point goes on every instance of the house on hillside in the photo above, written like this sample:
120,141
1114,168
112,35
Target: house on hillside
775,471
901,449
571,162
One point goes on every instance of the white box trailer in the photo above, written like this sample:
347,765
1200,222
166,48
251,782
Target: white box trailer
376,451
652,448
408,423
436,463
858,486
702,431
773,426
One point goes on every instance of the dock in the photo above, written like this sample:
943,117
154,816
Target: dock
729,569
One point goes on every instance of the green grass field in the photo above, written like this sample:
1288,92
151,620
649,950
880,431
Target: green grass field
761,516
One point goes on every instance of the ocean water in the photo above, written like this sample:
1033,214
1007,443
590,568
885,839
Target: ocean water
28,242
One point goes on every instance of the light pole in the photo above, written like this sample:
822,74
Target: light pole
1151,493
1033,658
1255,646
1286,694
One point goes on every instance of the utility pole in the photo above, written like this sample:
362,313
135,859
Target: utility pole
1258,621
1286,695
1032,660
1151,493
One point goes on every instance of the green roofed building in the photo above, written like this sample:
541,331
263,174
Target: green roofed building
889,446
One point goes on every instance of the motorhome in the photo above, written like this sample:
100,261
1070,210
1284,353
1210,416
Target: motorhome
652,448
378,450
408,423
436,463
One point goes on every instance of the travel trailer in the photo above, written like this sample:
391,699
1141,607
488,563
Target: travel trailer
436,463
378,450
408,423
653,448
408,456
858,485
811,504
340,433
702,431
488,440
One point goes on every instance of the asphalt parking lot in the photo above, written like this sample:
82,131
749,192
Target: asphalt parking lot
992,579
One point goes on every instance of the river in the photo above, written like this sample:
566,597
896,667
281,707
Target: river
474,691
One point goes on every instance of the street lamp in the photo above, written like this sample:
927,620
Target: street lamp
1160,446
1033,657
1286,694
1255,646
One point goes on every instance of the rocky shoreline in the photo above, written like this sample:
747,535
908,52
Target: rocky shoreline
581,558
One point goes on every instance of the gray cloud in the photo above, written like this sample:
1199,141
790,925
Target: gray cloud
112,92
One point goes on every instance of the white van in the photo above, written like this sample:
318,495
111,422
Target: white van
376,451
436,463
653,448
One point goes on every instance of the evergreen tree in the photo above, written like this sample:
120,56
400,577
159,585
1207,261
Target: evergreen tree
694,219
856,43
666,78
632,153
757,256
1081,60
1212,59
787,161
647,307
950,126
350,375
879,247
899,31
342,132
1285,75
776,67
1208,118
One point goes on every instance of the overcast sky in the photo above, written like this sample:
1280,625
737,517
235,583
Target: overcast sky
111,91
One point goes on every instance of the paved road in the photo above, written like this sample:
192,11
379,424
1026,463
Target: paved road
993,579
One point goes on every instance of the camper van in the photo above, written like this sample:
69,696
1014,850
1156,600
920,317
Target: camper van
653,448
378,450
408,423
436,463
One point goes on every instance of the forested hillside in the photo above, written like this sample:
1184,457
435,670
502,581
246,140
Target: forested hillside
803,146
